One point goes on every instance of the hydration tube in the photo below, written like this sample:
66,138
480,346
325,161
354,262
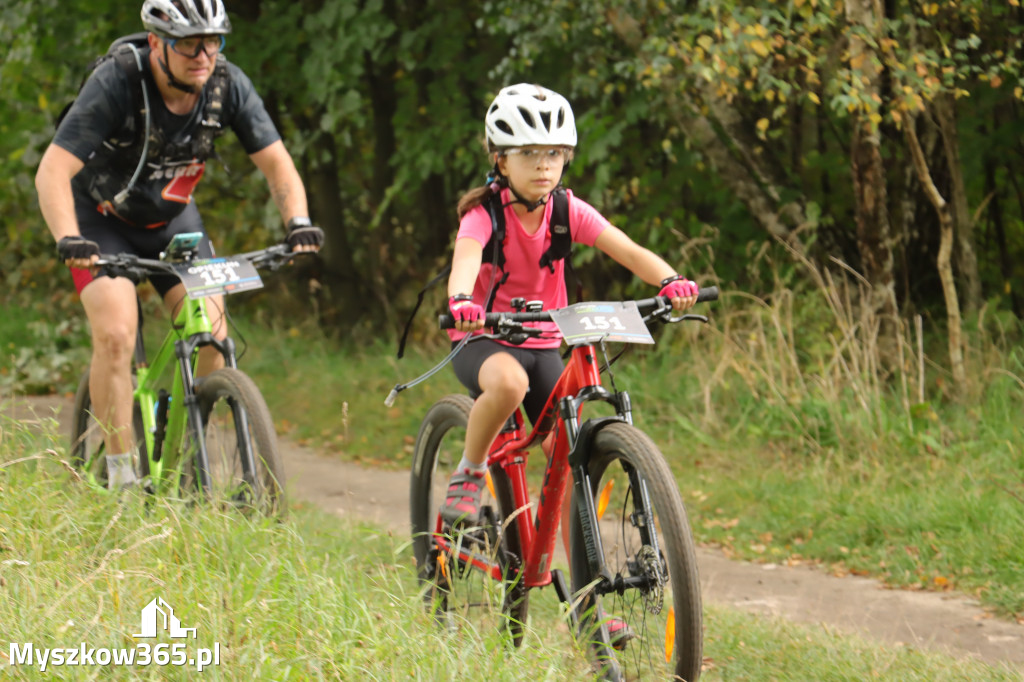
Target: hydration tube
123,194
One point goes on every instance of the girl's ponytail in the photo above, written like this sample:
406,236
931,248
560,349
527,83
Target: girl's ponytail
479,195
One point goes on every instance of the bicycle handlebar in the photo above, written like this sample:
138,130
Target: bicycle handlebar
127,264
645,305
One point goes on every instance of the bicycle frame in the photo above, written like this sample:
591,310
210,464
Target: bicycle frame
165,416
579,382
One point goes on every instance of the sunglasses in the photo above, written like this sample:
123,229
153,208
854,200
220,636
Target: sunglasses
191,47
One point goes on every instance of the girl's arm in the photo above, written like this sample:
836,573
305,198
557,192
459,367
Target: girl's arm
646,265
641,261
465,266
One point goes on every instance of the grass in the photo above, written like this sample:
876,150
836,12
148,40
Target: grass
799,429
313,597
791,469
787,440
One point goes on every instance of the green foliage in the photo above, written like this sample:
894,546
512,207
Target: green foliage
381,103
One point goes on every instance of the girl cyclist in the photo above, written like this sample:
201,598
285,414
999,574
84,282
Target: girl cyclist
531,135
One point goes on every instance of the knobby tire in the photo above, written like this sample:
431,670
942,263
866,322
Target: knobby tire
224,396
452,590
617,450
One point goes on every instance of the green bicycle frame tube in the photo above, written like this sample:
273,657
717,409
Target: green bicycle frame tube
192,319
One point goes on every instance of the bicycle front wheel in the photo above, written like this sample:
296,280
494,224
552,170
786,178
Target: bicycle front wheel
651,559
88,447
455,566
235,419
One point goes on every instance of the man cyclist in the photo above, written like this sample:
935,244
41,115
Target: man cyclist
119,175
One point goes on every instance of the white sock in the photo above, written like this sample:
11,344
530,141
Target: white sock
120,470
466,464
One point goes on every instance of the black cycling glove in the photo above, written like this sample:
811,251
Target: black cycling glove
76,247
301,232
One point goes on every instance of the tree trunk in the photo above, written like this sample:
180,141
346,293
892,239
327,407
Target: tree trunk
966,257
956,357
874,233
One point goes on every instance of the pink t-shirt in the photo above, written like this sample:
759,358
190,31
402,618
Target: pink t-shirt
527,279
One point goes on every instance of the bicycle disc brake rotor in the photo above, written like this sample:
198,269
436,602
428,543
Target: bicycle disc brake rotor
651,567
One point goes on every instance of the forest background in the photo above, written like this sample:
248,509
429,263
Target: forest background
882,138
847,172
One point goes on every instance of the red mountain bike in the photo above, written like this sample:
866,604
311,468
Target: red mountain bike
631,551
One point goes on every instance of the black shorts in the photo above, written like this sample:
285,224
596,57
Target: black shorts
116,236
543,367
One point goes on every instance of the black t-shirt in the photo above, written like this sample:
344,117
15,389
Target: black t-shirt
99,129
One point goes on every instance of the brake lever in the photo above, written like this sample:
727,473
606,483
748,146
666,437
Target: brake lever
663,313
688,316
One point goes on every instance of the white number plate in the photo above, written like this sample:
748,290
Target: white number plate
208,276
592,321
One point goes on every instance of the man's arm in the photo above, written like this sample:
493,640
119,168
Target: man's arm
289,194
53,186
286,186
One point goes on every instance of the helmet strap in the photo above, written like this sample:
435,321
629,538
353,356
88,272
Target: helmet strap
531,206
184,87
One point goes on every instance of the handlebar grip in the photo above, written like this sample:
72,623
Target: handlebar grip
707,294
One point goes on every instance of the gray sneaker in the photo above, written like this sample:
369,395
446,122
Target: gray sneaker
462,503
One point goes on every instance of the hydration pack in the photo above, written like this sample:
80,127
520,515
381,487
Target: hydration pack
560,248
144,139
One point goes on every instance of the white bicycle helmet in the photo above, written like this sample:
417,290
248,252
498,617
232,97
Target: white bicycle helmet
527,114
183,18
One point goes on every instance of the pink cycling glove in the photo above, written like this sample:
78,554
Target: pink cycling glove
678,286
464,310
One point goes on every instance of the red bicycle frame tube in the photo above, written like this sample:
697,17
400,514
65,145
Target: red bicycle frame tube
510,452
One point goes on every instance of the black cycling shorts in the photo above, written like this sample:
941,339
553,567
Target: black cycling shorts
543,367
116,236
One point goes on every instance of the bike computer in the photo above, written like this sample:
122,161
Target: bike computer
182,245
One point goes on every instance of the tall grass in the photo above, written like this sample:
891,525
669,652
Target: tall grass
310,598
802,428
818,431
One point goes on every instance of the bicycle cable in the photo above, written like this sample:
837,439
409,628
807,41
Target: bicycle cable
393,394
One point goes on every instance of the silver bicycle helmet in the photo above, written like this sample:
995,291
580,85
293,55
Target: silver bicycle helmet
183,18
527,114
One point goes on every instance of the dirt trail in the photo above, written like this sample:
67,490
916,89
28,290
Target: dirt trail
939,621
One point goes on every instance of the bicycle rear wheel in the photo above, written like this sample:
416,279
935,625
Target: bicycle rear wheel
650,554
455,592
88,449
234,412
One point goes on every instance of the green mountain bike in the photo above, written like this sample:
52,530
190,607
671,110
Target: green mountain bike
211,437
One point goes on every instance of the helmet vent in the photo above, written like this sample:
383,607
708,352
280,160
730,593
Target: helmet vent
504,127
528,117
545,117
561,117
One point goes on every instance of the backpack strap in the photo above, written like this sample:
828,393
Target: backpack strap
129,58
561,236
210,126
495,251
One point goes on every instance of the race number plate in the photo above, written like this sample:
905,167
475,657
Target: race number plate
208,276
592,321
